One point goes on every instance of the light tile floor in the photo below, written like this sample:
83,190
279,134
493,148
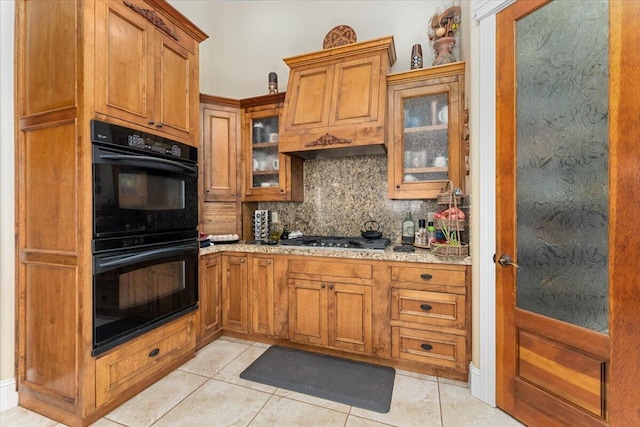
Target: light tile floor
207,391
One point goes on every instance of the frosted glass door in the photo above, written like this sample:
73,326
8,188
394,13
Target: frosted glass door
562,162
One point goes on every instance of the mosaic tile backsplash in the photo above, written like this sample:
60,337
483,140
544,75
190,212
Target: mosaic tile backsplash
340,195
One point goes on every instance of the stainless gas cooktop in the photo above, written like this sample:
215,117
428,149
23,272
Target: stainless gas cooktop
335,242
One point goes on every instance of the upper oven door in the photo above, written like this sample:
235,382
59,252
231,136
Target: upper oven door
138,193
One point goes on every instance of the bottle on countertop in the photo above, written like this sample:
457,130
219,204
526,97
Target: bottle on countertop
421,234
431,233
408,230
285,233
274,230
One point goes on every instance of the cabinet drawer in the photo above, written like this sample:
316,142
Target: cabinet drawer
140,358
428,275
331,268
429,347
433,308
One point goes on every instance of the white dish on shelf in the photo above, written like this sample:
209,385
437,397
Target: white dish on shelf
443,114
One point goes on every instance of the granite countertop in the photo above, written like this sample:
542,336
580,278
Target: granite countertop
420,255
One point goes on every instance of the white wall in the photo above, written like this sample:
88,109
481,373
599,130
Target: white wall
7,383
248,39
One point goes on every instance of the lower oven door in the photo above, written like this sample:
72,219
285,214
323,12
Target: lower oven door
138,289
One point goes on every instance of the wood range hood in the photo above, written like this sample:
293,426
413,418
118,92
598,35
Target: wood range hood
336,101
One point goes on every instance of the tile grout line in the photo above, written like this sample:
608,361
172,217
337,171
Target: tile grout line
261,408
197,388
440,404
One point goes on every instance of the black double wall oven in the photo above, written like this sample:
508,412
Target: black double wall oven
145,235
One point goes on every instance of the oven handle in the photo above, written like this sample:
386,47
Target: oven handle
117,261
148,158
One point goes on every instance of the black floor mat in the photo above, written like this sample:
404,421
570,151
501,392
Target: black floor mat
353,383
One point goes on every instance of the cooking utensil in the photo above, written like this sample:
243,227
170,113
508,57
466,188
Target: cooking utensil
371,230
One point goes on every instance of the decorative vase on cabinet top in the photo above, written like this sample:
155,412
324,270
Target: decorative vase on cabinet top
444,48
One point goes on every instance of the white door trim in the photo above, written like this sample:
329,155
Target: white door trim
483,379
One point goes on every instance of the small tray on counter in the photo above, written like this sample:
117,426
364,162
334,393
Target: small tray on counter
221,239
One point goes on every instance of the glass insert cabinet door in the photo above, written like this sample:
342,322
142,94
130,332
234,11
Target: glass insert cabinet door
425,147
265,160
426,126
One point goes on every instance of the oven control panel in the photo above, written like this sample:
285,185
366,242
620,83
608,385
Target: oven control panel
109,133
137,141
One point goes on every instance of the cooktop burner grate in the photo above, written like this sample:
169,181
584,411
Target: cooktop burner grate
338,242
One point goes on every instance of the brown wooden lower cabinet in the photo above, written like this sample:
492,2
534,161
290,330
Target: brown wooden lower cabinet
414,316
235,293
135,361
331,314
444,350
430,315
253,290
209,316
261,294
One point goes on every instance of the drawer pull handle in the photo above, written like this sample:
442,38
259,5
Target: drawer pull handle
426,347
154,352
425,307
426,276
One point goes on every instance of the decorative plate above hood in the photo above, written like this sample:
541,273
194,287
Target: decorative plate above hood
336,101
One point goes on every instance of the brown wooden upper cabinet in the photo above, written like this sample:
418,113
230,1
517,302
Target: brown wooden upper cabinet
425,131
146,70
220,151
336,100
268,174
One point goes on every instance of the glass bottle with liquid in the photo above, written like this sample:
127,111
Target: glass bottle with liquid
431,233
408,230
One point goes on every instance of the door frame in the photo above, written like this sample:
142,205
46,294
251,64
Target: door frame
483,379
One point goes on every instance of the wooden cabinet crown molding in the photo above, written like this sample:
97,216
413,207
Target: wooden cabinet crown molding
345,51
438,71
178,19
153,17
258,101
219,100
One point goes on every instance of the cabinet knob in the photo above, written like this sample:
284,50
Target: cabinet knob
154,352
151,122
323,286
207,191
330,286
242,260
398,186
425,307
426,276
269,262
426,346
159,125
